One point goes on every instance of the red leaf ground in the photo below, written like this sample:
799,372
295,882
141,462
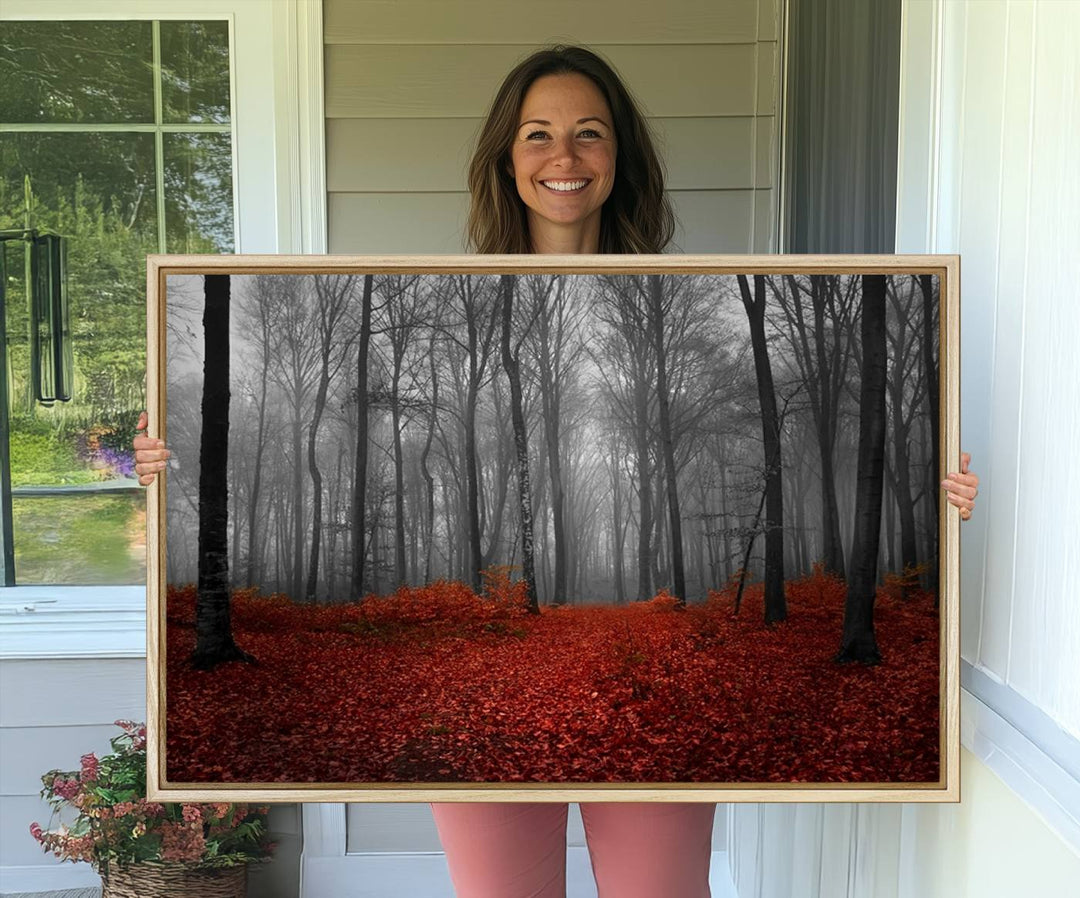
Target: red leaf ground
439,685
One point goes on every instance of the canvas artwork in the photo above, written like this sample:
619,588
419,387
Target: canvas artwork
497,527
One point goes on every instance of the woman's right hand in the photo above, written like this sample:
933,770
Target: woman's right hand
150,453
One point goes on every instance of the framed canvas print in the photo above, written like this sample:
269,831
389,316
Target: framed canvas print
553,528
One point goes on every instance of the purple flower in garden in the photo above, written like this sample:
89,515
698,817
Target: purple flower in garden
120,462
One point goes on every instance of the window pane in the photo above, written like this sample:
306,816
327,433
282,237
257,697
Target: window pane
198,193
195,71
98,191
81,539
76,72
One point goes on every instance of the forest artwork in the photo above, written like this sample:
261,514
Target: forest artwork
430,526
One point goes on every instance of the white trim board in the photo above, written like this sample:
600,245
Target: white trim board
1024,766
39,622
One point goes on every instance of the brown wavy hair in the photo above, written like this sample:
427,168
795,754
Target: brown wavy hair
636,218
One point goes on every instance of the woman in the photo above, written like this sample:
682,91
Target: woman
565,164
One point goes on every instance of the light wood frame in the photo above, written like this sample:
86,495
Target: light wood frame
946,267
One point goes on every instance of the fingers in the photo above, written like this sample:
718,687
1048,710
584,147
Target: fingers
961,487
151,456
964,485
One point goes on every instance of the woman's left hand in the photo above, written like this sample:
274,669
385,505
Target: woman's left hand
962,488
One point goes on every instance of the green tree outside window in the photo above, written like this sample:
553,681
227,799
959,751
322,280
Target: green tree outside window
122,131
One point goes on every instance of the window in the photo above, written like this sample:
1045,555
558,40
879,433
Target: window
118,136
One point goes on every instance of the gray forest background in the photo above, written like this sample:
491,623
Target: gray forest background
438,402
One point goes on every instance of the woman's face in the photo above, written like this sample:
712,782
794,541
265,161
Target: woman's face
563,158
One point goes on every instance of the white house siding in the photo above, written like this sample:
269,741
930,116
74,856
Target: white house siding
53,711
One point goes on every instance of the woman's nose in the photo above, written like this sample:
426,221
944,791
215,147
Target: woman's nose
564,149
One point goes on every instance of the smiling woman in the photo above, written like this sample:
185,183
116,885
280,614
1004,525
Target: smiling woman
560,117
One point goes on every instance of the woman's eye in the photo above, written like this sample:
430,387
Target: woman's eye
589,132
536,135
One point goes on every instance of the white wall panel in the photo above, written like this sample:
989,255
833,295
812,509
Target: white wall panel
1013,188
1046,616
1003,190
981,85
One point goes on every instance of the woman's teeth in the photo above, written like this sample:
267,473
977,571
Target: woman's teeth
564,186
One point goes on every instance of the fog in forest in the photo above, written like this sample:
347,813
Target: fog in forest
376,426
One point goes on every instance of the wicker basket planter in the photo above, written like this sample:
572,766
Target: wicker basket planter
150,880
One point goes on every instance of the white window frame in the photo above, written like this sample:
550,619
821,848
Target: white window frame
279,203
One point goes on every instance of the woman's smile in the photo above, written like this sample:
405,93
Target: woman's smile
575,186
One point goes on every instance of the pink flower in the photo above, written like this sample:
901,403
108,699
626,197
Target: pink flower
150,808
36,832
65,788
89,767
192,814
181,842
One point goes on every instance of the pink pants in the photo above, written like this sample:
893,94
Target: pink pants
518,850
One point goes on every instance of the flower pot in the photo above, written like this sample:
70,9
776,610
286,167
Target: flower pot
150,880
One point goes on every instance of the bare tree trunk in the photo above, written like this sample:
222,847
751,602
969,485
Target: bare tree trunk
644,478
429,481
678,575
256,483
513,375
316,492
858,642
400,575
775,601
214,643
476,556
618,527
359,497
929,343
298,504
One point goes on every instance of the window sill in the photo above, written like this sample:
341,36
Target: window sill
73,622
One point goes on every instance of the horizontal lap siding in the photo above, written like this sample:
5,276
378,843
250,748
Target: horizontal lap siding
408,83
53,712
477,22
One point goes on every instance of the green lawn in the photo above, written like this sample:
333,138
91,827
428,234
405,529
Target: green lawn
80,539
